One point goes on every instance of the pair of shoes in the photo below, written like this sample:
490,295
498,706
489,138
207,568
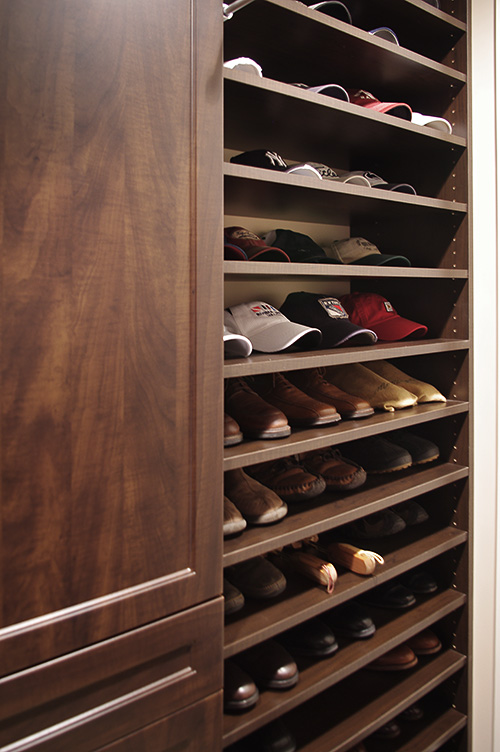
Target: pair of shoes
389,595
359,380
252,501
350,620
411,512
300,409
423,391
421,581
377,525
338,472
400,658
255,418
256,578
401,450
312,638
289,479
275,737
312,381
270,665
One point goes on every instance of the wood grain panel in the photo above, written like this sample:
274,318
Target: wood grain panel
113,688
111,361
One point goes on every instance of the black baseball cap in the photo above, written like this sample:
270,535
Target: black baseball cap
326,313
298,247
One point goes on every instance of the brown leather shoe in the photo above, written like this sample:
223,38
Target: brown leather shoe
425,643
339,473
257,503
256,578
289,479
233,598
233,521
256,417
270,665
240,690
312,381
299,408
398,659
232,432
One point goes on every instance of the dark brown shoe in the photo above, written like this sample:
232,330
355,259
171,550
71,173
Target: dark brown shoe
289,479
425,643
257,503
256,578
339,473
232,432
398,659
233,521
240,690
257,418
299,408
233,599
313,383
270,665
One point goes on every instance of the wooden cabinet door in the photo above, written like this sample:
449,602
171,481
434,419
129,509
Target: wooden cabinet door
111,320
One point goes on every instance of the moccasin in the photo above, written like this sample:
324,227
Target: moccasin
340,474
399,658
270,665
289,479
312,638
312,381
256,578
411,512
233,599
240,690
256,417
425,643
233,521
421,450
232,432
378,455
299,408
378,392
423,391
257,503
377,525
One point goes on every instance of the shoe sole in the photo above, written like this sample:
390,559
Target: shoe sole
395,666
232,440
233,528
390,469
269,517
270,433
365,413
284,683
350,486
241,704
425,460
312,423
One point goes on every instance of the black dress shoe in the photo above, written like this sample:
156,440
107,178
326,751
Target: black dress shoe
240,691
419,581
351,620
389,595
312,638
270,665
275,737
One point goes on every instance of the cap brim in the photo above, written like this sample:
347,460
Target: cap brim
331,90
398,109
236,345
233,252
280,336
382,259
338,332
335,9
266,254
399,187
397,328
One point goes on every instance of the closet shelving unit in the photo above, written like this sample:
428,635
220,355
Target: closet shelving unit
337,701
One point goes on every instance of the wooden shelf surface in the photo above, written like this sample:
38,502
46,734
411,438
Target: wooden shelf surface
290,361
354,656
252,269
305,440
302,600
330,511
435,734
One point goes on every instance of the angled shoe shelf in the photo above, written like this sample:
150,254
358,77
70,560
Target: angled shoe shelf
321,674
275,269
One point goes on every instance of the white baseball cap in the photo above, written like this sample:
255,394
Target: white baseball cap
235,344
438,123
268,329
245,64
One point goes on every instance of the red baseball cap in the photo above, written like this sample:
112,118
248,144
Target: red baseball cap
365,99
376,313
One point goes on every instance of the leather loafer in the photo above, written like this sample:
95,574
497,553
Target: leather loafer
232,432
256,417
299,408
390,730
289,479
411,512
257,503
339,473
399,658
312,638
256,578
389,595
240,690
270,665
275,737
312,381
425,643
351,620
419,581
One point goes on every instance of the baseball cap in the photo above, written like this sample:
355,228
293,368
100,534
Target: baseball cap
334,9
298,247
251,245
361,251
234,253
328,315
235,345
438,123
375,181
268,329
330,90
245,64
365,99
375,311
328,173
383,32
272,161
